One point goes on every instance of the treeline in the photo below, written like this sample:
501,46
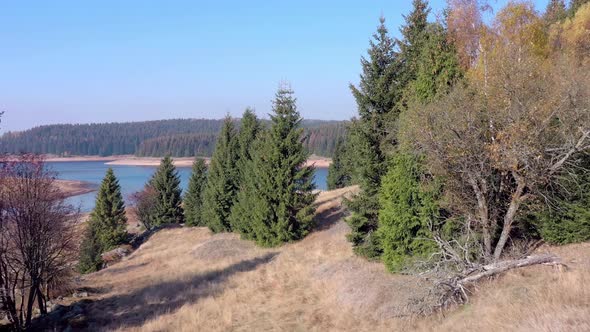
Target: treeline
181,145
177,137
472,139
99,138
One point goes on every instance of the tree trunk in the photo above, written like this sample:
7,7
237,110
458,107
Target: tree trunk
509,216
41,302
484,215
31,301
499,267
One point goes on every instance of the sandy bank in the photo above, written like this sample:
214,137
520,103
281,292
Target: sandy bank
74,187
319,162
128,160
152,161
53,158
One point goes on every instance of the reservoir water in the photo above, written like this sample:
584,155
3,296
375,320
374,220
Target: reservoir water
131,178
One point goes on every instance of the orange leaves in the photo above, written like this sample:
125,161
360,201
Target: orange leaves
573,35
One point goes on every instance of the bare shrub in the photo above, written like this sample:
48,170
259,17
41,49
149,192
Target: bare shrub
36,239
144,203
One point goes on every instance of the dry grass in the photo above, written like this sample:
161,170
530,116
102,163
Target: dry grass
538,298
186,279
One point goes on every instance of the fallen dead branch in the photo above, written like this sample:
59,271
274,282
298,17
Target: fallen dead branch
490,270
455,290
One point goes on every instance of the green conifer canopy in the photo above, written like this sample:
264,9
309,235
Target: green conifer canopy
193,200
106,226
166,183
222,182
275,204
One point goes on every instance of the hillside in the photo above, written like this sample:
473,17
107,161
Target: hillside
186,279
178,137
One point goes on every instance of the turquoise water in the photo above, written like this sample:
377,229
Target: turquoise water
131,178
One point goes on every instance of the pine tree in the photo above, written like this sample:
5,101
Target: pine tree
339,174
108,217
90,251
193,200
275,204
221,187
166,183
376,99
555,11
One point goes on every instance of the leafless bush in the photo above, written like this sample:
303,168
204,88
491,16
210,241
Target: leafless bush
36,239
144,203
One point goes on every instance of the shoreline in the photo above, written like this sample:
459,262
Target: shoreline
72,188
130,160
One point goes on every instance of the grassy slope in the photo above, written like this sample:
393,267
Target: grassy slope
188,280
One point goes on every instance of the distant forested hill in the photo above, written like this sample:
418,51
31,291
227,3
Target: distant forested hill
178,137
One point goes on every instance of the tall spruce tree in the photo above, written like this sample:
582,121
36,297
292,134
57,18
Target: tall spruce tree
339,173
376,98
166,183
555,11
90,259
412,43
222,180
250,126
409,206
437,66
409,195
275,204
106,226
108,217
193,199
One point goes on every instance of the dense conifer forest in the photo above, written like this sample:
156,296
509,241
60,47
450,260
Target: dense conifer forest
177,137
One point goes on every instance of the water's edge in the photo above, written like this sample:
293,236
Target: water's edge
131,178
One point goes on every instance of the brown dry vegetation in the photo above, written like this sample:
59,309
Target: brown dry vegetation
187,279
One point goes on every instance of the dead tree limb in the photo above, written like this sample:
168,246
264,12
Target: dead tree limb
455,290
503,266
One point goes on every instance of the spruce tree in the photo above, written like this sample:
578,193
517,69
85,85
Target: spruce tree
166,183
222,180
413,40
409,194
275,204
437,66
106,227
408,206
250,126
108,217
376,98
339,174
555,11
193,199
90,251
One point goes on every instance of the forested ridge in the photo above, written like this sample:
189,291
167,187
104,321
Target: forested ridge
177,137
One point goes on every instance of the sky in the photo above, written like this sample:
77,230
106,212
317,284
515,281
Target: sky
113,61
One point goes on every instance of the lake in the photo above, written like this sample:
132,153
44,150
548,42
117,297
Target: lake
131,178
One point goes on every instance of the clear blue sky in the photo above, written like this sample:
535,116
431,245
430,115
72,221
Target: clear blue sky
104,61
